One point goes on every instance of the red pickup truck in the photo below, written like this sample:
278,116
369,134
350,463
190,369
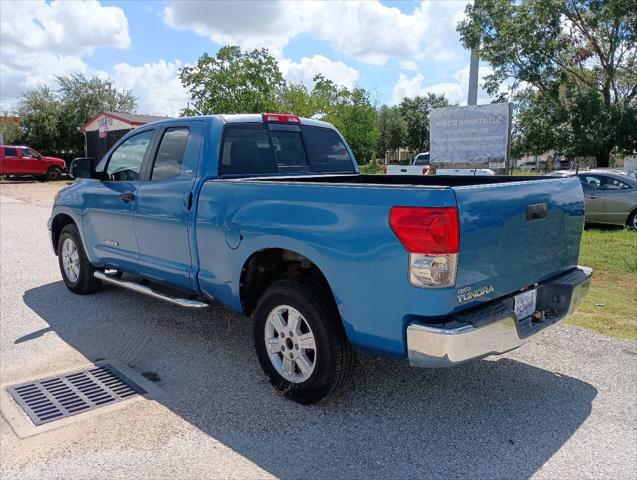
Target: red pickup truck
17,160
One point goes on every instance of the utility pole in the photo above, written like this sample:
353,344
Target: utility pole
472,98
474,66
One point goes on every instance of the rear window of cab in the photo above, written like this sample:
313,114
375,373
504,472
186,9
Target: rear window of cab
253,149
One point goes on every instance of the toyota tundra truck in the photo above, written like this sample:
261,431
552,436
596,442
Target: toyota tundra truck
269,215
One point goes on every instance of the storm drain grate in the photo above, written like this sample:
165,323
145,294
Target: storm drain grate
55,398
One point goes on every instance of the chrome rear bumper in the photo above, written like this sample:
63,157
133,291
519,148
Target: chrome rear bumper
494,329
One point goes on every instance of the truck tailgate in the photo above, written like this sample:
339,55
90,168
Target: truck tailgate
513,235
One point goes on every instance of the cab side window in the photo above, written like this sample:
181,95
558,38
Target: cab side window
170,154
27,152
126,161
10,152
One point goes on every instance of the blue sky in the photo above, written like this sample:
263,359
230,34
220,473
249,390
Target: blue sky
393,49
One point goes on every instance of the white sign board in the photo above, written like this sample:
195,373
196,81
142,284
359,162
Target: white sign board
470,137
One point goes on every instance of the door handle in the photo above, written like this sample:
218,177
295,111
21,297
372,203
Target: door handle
127,197
592,196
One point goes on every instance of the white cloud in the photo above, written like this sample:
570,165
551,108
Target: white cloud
251,24
63,27
409,65
41,40
308,67
156,86
442,41
456,92
30,69
367,31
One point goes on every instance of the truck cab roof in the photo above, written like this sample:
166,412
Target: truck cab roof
244,118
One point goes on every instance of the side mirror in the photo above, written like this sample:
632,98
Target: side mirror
82,168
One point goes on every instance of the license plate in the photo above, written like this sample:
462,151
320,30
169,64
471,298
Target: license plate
525,303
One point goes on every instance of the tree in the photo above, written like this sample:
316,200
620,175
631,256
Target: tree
541,124
416,112
51,118
10,129
81,98
579,54
233,82
39,111
392,128
250,82
296,99
351,112
356,120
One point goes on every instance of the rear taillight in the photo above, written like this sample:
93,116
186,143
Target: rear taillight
385,169
426,229
431,236
281,118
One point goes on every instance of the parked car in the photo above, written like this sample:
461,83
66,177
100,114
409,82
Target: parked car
532,166
611,197
269,215
421,165
19,160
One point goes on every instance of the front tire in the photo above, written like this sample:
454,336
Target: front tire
54,173
75,268
300,341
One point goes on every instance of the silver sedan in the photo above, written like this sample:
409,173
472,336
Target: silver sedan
610,197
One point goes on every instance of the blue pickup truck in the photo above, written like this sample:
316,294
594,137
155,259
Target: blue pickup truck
269,215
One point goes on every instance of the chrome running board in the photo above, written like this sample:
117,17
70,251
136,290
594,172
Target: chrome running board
143,289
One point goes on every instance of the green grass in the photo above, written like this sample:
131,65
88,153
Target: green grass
611,304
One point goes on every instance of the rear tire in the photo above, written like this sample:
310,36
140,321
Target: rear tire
297,306
54,173
76,270
632,220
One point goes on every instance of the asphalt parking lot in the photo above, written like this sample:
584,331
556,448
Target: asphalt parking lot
562,406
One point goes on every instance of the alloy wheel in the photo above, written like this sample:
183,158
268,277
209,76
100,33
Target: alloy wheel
290,344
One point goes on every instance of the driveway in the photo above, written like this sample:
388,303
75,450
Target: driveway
561,406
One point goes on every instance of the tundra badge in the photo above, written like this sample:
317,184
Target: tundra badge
467,293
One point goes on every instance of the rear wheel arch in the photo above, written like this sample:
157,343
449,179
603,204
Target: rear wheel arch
267,266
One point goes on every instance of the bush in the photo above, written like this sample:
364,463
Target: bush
372,168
